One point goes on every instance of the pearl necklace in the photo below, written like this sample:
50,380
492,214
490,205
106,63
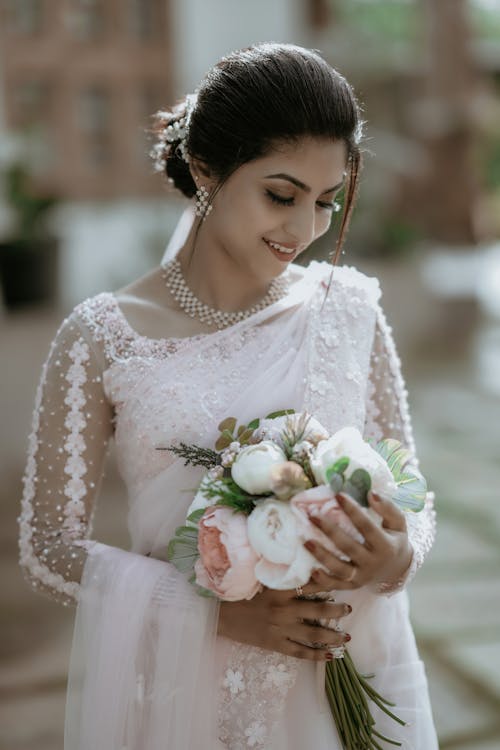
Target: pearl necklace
174,279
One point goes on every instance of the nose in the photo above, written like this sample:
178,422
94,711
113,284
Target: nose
300,225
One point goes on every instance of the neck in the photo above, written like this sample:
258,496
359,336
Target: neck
215,278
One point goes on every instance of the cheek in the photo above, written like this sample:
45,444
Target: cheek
323,223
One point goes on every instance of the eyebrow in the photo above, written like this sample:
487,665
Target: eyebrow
299,184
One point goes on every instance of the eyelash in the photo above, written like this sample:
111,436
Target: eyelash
289,202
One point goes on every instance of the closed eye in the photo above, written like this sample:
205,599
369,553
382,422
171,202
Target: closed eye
289,202
278,199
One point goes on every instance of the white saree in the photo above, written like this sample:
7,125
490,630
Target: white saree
148,670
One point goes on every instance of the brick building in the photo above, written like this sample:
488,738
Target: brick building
82,77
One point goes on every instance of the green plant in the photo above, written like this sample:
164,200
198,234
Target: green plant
30,210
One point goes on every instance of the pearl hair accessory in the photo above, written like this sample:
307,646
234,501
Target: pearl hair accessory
174,279
178,130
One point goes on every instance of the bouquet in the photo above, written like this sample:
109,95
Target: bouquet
250,517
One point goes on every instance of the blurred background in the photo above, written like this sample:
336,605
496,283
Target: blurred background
81,211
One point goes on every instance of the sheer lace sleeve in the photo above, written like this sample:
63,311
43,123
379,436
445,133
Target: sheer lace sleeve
387,415
72,424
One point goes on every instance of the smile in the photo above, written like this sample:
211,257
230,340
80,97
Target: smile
280,251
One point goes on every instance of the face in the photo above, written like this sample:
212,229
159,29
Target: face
271,209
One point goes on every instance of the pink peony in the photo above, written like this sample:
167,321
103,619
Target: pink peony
321,501
226,565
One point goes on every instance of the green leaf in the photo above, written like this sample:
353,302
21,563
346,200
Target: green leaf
358,488
223,441
195,516
182,550
395,454
336,481
359,481
245,436
341,465
200,590
282,413
228,424
411,484
253,424
412,490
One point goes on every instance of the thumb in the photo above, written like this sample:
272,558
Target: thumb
392,517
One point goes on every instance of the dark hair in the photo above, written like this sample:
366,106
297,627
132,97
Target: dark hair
256,97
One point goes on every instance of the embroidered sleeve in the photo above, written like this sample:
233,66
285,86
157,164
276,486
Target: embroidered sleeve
71,427
387,415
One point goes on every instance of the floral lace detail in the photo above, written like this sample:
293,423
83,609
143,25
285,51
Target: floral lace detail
75,423
103,317
387,414
343,329
254,688
35,564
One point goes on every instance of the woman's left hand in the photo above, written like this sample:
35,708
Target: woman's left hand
384,556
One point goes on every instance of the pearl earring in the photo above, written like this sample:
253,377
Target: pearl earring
202,205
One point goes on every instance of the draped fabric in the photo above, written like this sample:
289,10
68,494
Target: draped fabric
147,668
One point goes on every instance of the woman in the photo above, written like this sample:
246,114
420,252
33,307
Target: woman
228,326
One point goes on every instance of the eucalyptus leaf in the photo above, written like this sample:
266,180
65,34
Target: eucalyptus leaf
341,464
355,492
336,481
195,516
253,424
362,481
228,424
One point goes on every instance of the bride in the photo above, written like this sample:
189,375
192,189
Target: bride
228,325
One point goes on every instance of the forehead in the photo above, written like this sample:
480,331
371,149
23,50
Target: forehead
312,160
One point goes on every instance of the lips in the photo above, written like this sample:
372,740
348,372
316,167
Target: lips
286,254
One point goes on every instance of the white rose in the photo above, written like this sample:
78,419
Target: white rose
349,442
274,534
252,466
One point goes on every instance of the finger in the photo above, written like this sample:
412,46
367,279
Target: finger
300,651
368,529
356,552
392,517
316,634
318,610
323,582
335,566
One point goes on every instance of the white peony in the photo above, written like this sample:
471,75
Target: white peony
274,532
349,442
252,466
273,429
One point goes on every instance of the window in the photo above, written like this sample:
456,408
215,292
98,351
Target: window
24,16
86,19
146,18
94,122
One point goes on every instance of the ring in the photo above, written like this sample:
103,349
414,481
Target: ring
298,590
353,573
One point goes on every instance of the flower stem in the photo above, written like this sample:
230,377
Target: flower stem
348,693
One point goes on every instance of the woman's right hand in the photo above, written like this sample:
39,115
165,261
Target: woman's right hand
280,621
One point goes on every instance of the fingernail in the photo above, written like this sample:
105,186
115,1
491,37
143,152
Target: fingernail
340,498
310,545
347,637
375,497
315,520
329,656
349,608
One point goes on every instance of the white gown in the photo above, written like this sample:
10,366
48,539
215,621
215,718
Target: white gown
148,670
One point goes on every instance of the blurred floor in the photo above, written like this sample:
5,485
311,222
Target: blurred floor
455,597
